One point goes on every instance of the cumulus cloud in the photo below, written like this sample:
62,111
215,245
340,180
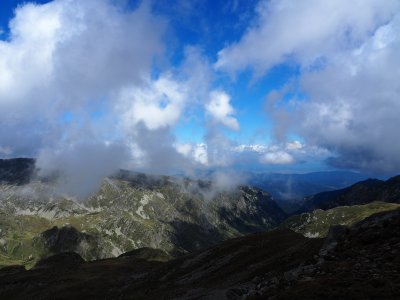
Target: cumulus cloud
196,152
277,158
287,153
150,112
70,51
158,104
347,52
294,145
356,114
221,110
72,57
303,31
76,76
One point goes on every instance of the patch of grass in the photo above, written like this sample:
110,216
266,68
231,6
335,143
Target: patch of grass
317,222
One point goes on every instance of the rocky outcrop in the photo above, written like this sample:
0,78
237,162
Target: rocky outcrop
357,262
68,239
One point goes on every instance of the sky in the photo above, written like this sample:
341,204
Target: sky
192,86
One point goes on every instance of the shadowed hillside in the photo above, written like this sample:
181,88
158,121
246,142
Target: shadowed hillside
360,262
360,193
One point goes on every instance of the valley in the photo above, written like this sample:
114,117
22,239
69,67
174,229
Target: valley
179,238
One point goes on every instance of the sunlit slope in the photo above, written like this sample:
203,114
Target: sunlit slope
317,223
175,215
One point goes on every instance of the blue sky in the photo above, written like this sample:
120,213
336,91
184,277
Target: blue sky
165,86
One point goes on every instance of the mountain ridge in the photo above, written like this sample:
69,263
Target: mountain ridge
128,212
359,262
362,192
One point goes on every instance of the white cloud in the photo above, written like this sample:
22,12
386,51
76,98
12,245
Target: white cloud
294,145
70,56
83,165
355,104
348,54
304,31
221,110
77,50
277,158
255,148
184,149
197,152
200,154
158,104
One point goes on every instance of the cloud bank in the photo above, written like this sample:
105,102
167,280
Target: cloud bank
347,52
60,70
92,81
79,92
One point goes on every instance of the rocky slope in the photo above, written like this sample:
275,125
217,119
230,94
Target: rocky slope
129,211
360,262
360,193
317,223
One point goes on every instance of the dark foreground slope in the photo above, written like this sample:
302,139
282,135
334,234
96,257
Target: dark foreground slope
224,271
362,192
358,263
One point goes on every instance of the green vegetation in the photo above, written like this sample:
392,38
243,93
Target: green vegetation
316,223
176,216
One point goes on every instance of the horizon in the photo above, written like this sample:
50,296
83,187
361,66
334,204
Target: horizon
200,86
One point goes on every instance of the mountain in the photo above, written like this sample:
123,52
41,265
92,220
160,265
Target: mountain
284,187
317,223
16,170
360,193
129,211
359,262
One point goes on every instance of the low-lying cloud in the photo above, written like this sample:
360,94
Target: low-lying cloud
61,70
78,91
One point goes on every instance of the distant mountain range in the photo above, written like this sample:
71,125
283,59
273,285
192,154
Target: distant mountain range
297,186
129,211
362,192
279,186
317,213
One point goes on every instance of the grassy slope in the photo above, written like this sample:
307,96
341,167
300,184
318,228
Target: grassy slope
317,222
